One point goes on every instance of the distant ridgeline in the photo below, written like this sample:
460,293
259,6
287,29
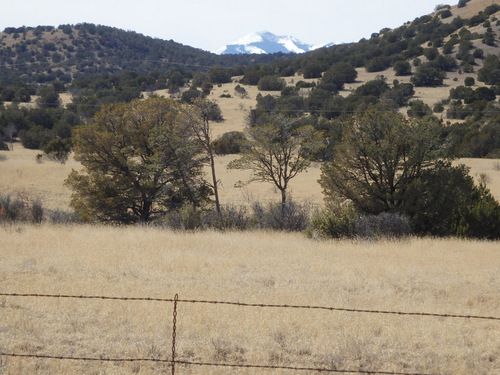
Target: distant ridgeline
44,54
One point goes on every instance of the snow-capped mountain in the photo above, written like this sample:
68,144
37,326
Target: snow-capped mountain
266,42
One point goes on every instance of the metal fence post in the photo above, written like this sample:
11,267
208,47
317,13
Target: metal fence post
174,327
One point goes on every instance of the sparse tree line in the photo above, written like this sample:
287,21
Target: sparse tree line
387,175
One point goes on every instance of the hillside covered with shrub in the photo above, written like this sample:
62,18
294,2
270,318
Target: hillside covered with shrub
456,46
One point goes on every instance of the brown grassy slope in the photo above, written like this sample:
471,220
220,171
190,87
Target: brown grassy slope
434,95
418,275
472,8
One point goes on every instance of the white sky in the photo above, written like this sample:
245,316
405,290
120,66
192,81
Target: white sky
210,24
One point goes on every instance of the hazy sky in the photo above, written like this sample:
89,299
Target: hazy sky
210,24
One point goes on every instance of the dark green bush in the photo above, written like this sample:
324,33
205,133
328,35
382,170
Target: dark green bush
376,64
469,81
271,83
58,149
229,143
402,68
428,75
462,3
304,84
36,137
481,218
438,108
445,13
417,108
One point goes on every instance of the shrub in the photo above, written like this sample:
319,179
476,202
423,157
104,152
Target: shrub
61,217
305,85
37,211
313,70
229,143
478,53
13,209
402,68
428,75
448,48
271,83
188,217
462,3
230,218
376,64
438,108
445,13
417,108
431,53
333,224
385,224
441,7
190,95
58,149
291,217
481,218
469,81
35,137
241,91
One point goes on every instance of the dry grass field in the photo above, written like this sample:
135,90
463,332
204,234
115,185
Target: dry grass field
445,276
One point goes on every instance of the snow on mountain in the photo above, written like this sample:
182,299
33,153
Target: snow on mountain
266,42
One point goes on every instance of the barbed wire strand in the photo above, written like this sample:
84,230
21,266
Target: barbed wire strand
344,309
273,367
174,361
245,304
87,297
211,364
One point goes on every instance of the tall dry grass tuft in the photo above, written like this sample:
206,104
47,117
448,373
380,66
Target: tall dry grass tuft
414,275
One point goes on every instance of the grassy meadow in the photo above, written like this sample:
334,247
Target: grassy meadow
445,276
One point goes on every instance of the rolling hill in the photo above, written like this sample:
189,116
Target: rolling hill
445,63
45,53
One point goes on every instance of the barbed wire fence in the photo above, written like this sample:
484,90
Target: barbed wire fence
173,361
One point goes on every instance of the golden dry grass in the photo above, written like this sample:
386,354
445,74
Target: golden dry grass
418,275
21,174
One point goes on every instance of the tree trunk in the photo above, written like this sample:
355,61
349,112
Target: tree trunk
283,203
214,179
